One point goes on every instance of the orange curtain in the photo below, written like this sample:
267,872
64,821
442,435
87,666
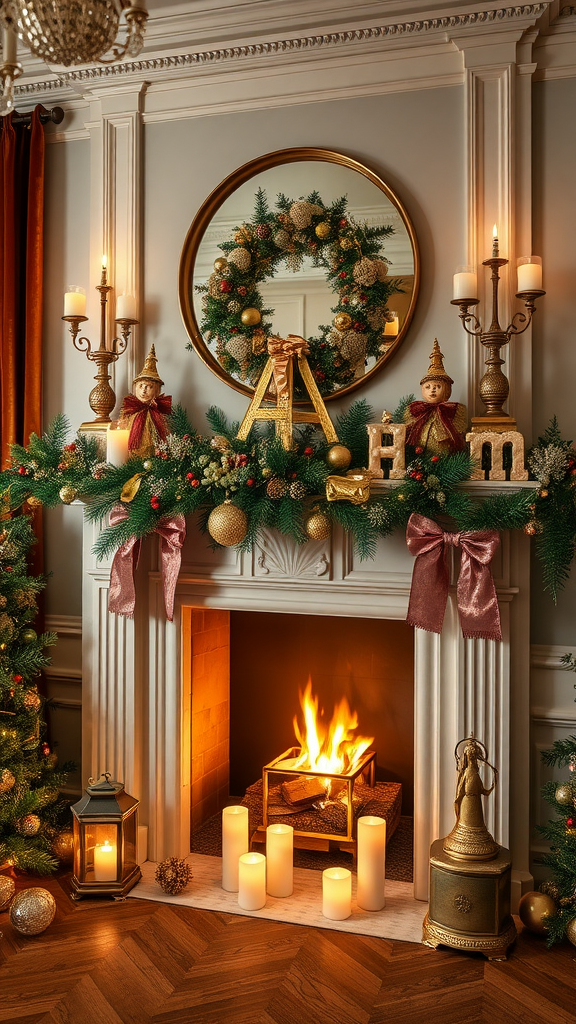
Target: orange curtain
21,257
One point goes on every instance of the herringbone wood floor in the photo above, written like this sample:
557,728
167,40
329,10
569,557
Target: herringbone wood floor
150,963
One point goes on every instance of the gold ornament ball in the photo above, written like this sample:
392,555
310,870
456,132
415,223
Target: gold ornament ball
63,847
28,825
7,780
564,793
339,457
29,636
250,317
346,243
342,321
318,526
571,931
33,501
220,264
67,494
7,890
32,700
32,910
227,524
148,464
322,230
534,909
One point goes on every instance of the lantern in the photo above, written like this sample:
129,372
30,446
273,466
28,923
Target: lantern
105,832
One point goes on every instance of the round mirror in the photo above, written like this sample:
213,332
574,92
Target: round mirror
305,242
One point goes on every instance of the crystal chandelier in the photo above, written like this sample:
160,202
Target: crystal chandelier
68,32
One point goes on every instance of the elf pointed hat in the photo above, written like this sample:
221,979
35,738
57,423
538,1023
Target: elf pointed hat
149,371
436,369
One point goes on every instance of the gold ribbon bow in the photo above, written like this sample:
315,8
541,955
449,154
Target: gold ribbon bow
282,350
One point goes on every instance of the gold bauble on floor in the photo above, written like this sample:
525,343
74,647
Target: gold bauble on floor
339,457
7,890
534,910
63,847
318,526
32,910
227,524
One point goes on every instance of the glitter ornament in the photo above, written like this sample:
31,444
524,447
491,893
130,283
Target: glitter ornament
29,635
276,487
571,931
297,490
318,526
564,793
239,348
67,494
32,910
173,875
63,847
32,700
262,231
346,243
251,317
7,890
148,464
28,825
282,239
233,306
365,272
240,258
220,264
339,457
323,229
342,321
227,524
7,780
534,909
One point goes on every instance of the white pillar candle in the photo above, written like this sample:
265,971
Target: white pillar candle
529,274
371,863
117,445
279,860
391,327
9,46
336,893
126,307
75,302
465,285
234,844
252,881
105,858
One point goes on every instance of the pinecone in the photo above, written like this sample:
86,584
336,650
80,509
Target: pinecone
301,213
173,875
282,239
214,286
240,348
276,487
234,306
262,231
241,258
365,272
297,490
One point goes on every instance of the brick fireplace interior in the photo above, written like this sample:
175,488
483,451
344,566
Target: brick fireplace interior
245,669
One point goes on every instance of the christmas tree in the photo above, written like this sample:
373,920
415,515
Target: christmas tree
561,834
30,809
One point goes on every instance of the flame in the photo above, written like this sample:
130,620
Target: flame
328,748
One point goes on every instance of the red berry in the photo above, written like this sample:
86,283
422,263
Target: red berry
45,749
320,375
345,301
419,450
194,483
292,476
22,470
233,330
242,289
342,274
250,482
225,286
190,476
155,501
322,344
185,437
359,326
8,568
434,458
570,823
342,222
70,447
308,451
17,678
418,476
363,297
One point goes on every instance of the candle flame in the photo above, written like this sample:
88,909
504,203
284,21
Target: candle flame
104,261
495,232
330,748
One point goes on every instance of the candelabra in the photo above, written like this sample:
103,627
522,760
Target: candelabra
102,398
494,386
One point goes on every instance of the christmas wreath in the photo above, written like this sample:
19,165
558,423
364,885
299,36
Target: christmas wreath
239,487
235,321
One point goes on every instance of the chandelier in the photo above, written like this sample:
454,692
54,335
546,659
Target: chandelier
68,32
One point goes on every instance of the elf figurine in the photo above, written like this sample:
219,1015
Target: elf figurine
435,423
145,411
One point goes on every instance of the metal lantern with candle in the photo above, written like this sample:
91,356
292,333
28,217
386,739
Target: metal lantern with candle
105,831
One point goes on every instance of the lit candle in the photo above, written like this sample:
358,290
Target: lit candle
280,860
392,326
495,241
336,893
105,857
126,307
465,284
529,274
75,301
371,863
116,445
104,261
234,844
252,881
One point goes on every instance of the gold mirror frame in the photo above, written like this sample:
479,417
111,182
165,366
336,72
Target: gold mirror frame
213,203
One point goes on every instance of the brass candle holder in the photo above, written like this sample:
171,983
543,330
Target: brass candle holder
102,398
494,386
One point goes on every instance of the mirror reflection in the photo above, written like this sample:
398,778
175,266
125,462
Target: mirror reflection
317,248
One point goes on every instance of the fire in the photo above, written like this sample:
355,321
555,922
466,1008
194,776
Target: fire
331,748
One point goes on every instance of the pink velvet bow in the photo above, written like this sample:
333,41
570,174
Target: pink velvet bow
476,593
122,595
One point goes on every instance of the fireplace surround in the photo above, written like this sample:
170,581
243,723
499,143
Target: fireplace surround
139,694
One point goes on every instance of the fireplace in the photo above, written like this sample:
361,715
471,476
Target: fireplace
145,707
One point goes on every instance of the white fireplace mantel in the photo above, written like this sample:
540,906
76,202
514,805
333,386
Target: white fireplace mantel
136,710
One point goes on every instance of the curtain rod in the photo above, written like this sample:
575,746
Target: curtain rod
55,115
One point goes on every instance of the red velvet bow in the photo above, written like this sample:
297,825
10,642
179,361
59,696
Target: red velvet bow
422,411
476,593
122,595
158,408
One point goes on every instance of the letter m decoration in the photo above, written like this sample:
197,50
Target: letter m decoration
497,442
